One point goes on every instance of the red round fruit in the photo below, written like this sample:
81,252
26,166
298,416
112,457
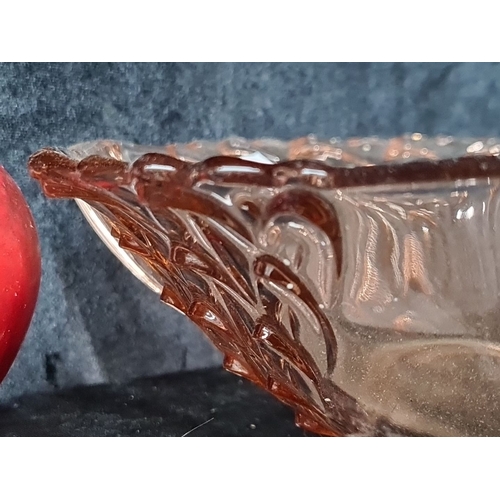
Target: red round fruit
20,269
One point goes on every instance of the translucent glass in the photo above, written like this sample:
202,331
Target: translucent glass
357,280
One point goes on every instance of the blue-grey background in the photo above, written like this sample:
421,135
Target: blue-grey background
94,322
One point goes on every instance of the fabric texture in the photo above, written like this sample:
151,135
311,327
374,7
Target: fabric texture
208,402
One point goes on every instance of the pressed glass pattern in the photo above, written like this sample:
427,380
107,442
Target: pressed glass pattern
358,280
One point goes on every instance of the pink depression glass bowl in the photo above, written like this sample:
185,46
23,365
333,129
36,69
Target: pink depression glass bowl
358,281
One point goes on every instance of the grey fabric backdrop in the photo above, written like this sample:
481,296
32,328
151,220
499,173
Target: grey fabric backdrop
94,322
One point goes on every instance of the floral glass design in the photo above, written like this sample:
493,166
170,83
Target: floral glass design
358,281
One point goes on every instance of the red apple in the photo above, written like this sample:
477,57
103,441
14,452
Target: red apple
20,269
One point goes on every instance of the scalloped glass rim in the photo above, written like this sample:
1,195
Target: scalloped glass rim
265,151
102,228
262,150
